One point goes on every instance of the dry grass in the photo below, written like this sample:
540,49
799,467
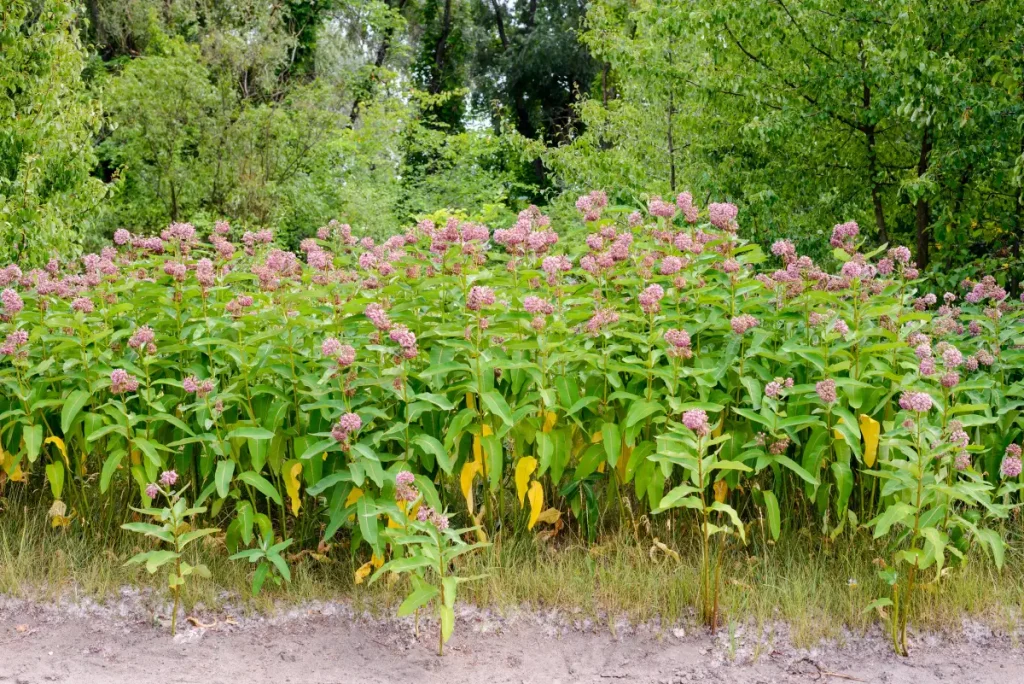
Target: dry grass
805,583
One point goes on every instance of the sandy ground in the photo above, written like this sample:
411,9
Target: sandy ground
124,642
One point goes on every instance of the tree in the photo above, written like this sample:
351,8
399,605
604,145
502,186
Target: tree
46,154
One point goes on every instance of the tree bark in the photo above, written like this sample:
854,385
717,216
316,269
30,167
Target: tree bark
922,210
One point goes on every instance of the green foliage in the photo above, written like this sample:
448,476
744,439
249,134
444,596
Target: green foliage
660,369
46,152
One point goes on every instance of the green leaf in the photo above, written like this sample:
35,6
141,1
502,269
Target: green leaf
497,405
639,410
771,505
225,472
72,406
417,600
256,480
55,475
250,433
109,468
149,449
612,441
897,512
366,510
33,441
431,445
329,481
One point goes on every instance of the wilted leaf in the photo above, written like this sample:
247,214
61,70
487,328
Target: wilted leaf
469,472
871,430
363,572
536,495
526,466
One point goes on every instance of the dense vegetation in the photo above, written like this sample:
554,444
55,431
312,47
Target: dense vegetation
904,117
194,334
634,368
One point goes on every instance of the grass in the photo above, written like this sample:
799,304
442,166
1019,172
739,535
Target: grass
814,587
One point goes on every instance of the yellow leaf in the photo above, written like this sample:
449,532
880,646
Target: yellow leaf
597,438
721,490
469,472
486,430
470,403
60,445
3,456
536,495
376,561
600,467
524,469
355,495
871,430
363,572
550,418
18,475
59,521
136,457
549,516
291,484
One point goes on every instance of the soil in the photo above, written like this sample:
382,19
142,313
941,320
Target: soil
128,641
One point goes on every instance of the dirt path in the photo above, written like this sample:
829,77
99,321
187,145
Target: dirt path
328,644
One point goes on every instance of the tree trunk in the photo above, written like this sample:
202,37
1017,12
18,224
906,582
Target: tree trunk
441,49
876,186
922,210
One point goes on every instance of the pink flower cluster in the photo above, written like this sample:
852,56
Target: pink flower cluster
650,298
14,344
659,207
12,303
428,514
679,343
697,421
479,297
404,489
530,234
684,201
844,236
774,388
142,340
601,319
723,216
378,316
919,402
346,425
988,288
237,306
406,339
121,382
260,237
343,354
592,204
742,323
617,249
1011,465
200,388
826,390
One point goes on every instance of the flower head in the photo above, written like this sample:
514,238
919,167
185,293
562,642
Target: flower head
122,382
697,420
151,489
826,390
168,478
919,402
650,298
